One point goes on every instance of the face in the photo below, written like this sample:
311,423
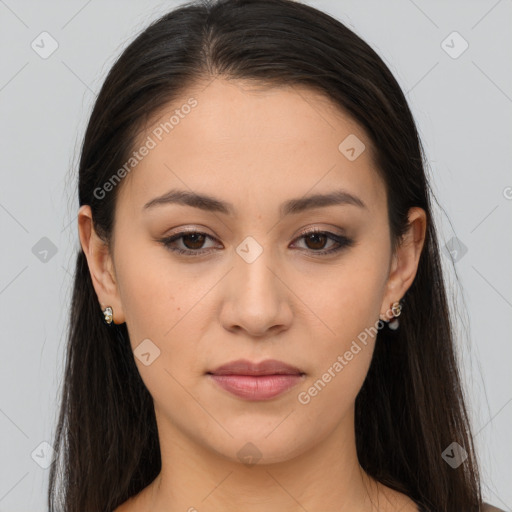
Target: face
243,277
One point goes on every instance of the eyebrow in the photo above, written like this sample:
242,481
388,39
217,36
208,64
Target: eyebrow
290,207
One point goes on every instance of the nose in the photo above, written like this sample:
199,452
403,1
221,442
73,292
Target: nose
256,298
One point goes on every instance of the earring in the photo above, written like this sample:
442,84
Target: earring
109,316
396,309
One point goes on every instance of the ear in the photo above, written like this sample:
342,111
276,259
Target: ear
100,265
404,264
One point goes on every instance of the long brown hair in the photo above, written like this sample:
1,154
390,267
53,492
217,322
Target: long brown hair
411,405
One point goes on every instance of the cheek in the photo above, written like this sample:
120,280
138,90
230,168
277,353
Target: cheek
341,363
167,305
346,298
331,391
156,293
348,308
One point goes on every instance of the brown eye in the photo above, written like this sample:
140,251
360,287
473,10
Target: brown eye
191,243
193,240
317,240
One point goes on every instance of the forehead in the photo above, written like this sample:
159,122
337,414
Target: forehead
236,138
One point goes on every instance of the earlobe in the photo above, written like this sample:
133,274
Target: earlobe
100,265
405,260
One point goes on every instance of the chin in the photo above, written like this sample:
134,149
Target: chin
250,447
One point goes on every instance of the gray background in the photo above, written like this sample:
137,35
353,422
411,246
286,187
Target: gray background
462,105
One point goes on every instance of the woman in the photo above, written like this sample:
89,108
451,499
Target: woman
259,320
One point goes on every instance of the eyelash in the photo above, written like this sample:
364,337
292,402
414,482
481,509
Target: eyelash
342,241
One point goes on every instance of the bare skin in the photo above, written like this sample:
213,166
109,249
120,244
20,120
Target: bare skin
255,149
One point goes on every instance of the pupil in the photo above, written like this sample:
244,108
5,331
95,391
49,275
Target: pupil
315,236
199,240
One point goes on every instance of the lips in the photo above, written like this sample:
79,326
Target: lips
256,381
267,367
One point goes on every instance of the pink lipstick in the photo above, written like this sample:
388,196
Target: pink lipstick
256,381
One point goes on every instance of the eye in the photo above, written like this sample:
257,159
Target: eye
316,239
192,242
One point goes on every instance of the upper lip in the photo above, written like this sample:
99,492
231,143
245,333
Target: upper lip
267,367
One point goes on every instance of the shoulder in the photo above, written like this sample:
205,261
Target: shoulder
138,502
128,506
122,508
489,508
485,508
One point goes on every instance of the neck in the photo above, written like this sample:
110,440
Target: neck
325,477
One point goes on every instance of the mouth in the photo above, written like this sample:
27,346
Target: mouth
267,367
256,381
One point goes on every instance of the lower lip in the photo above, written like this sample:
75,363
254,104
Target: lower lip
252,387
